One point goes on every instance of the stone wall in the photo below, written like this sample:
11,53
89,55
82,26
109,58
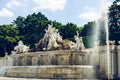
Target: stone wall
111,70
72,58
51,58
52,72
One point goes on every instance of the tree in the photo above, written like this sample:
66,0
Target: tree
68,30
8,37
57,25
79,29
19,23
32,28
35,26
88,29
114,21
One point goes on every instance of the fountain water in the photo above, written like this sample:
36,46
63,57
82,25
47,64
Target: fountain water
104,7
104,10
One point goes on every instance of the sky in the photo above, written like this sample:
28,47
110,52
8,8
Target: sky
78,12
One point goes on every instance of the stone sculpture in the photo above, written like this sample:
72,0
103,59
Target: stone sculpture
53,40
79,43
21,48
53,37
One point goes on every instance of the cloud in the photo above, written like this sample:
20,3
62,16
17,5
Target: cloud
104,5
89,8
13,3
109,4
52,5
6,13
90,16
118,3
95,13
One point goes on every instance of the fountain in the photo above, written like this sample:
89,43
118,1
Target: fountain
58,59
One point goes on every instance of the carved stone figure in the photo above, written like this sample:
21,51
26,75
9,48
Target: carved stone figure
21,48
53,40
79,43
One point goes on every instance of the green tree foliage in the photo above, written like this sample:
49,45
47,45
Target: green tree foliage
87,34
88,29
19,23
68,30
8,37
114,21
57,25
32,28
79,29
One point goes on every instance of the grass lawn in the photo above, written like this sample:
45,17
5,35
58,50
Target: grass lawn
1,58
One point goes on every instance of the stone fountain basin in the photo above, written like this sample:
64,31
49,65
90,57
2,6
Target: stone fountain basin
50,72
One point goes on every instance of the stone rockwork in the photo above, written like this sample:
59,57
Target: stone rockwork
53,41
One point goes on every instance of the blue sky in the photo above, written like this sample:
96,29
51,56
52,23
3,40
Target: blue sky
64,11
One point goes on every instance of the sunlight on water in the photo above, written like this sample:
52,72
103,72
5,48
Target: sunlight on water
104,8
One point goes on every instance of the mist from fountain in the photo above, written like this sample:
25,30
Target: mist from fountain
103,11
108,50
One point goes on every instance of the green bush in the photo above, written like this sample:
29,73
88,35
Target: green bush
88,41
